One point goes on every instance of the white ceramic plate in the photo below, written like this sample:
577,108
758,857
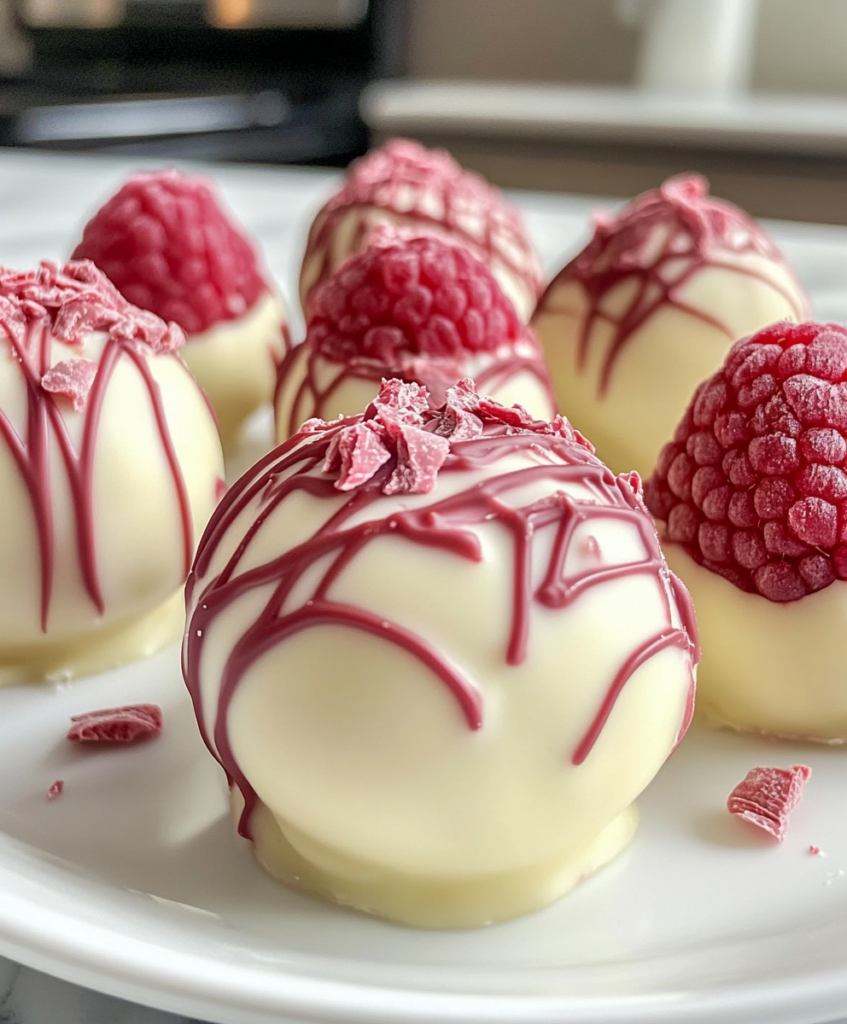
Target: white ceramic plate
133,882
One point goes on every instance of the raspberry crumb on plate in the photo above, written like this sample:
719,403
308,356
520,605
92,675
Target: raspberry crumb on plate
56,789
117,725
766,797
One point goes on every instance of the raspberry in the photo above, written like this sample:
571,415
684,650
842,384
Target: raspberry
168,246
754,483
420,296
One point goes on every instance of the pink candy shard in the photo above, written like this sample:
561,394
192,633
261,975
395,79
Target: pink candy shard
403,424
357,453
767,796
117,725
71,378
56,789
419,457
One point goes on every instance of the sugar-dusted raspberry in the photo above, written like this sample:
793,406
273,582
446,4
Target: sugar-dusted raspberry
419,296
168,246
754,483
766,797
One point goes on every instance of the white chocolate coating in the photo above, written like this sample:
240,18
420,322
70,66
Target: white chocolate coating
373,790
296,400
235,362
352,229
137,528
767,666
663,360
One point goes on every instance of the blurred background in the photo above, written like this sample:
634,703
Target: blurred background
585,96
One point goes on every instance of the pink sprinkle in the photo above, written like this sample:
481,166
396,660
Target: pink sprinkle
71,378
766,797
56,789
814,850
117,725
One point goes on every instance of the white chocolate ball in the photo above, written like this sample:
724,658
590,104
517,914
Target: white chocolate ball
768,666
419,732
649,310
110,469
235,362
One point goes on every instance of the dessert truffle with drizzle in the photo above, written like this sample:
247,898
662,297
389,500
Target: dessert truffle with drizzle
438,653
650,308
111,465
416,308
405,185
166,242
753,492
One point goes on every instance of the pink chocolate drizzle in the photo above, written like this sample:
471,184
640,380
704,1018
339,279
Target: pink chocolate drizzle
436,374
481,434
662,240
68,305
423,187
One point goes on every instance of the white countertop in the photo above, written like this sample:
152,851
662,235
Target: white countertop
44,201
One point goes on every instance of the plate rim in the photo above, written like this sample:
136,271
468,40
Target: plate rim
176,981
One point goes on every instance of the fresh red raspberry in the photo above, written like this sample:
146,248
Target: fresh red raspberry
168,246
754,483
419,296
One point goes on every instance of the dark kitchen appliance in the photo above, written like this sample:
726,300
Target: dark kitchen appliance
273,81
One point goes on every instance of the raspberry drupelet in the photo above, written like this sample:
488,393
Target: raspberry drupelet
166,242
415,308
753,491
405,185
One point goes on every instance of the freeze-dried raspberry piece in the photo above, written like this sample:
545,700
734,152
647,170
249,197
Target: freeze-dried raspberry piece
420,455
356,453
117,725
767,796
71,378
401,430
405,401
754,483
56,789
416,297
169,247
74,301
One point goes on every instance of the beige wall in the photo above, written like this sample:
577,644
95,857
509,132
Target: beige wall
800,46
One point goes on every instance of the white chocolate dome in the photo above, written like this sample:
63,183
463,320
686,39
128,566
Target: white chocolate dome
111,466
650,308
439,654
